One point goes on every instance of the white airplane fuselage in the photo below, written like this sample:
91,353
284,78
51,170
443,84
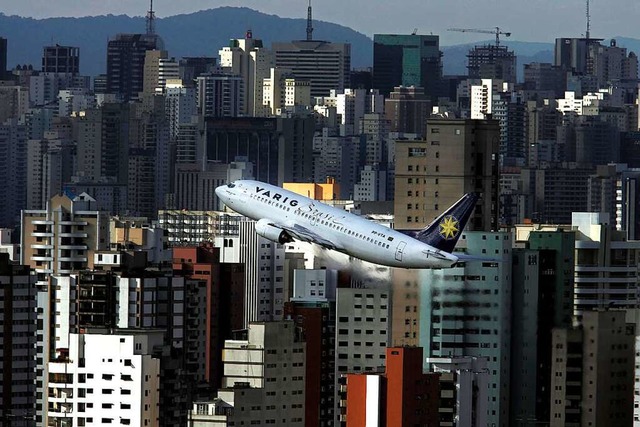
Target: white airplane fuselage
329,227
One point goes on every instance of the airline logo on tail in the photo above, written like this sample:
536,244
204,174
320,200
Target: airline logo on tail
449,227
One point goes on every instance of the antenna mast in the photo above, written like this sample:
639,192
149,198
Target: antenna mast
588,34
151,17
309,23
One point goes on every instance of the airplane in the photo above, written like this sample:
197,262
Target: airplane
284,216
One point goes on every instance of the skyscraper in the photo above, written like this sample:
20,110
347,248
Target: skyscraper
249,59
406,60
61,59
457,157
492,62
125,63
3,58
326,65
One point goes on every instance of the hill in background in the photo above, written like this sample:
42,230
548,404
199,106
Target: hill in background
204,33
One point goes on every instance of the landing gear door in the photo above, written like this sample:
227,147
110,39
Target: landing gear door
400,250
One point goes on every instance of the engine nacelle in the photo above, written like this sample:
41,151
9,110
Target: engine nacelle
275,234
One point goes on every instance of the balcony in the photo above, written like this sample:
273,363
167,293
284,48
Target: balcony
41,222
73,247
61,393
42,258
60,378
41,246
77,258
67,222
74,234
60,408
42,234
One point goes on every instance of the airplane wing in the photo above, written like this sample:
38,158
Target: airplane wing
303,234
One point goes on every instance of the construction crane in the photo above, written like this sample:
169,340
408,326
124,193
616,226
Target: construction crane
497,32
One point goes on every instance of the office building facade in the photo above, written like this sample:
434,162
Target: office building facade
457,157
325,65
407,60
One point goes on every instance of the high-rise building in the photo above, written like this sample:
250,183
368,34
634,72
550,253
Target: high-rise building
556,191
407,60
457,157
14,101
402,396
612,63
407,110
125,63
592,376
280,149
492,62
541,76
180,106
315,316
49,166
264,380
220,95
193,67
282,91
106,379
104,141
352,105
63,237
17,370
13,169
61,59
614,189
336,157
571,54
362,333
611,254
158,69
3,58
223,285
325,65
463,390
542,300
466,311
249,59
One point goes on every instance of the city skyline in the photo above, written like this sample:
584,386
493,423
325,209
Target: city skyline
528,21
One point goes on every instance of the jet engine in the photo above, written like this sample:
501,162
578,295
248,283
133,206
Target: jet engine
275,234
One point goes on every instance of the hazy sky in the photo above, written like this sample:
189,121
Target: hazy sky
528,20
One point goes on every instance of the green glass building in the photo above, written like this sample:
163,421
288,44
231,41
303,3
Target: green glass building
406,60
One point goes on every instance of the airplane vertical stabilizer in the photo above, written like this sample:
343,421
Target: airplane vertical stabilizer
443,233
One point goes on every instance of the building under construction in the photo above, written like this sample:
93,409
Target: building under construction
492,62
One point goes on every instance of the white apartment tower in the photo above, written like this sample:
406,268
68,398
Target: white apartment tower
180,105
283,90
105,379
249,59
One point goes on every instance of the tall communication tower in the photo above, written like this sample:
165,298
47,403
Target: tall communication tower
588,33
151,18
309,23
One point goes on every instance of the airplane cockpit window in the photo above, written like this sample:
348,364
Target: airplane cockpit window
231,185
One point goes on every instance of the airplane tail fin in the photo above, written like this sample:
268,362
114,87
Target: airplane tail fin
443,233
